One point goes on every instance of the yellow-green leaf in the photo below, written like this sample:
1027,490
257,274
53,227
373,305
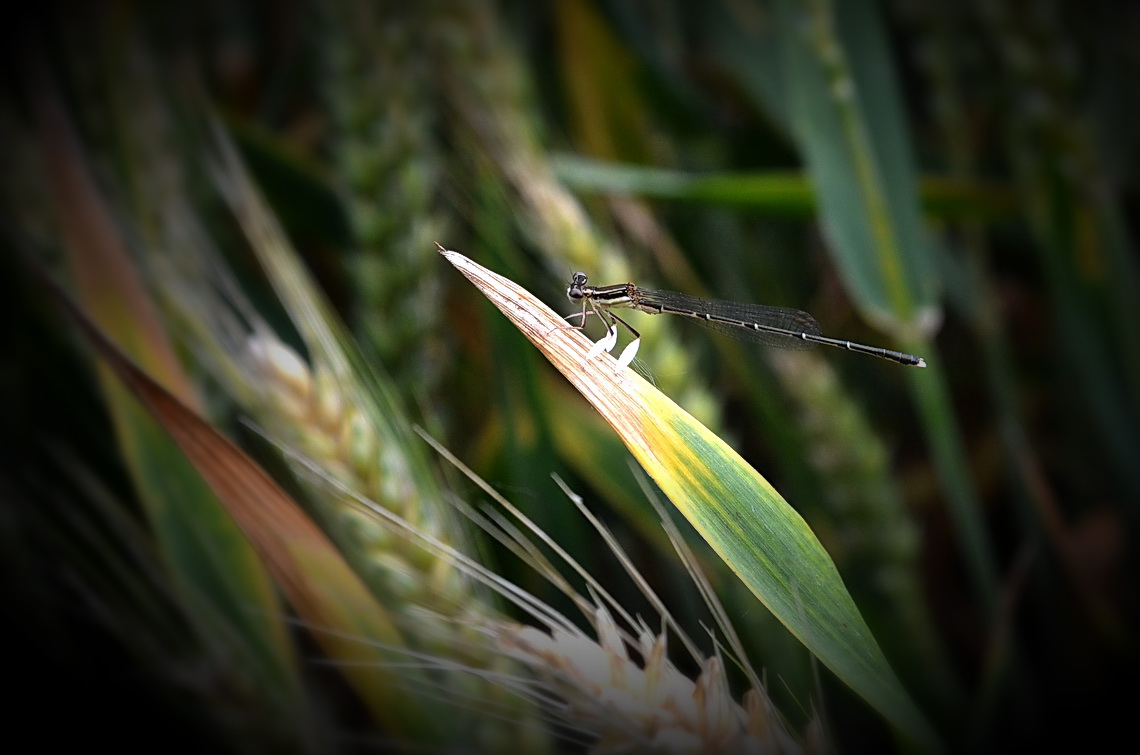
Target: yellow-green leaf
743,518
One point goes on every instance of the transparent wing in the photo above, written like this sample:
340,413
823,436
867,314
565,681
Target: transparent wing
778,326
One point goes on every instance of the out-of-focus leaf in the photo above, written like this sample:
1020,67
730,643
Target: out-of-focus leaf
601,79
223,584
345,619
849,122
784,193
841,102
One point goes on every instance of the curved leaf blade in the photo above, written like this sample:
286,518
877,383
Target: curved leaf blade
847,117
345,619
735,509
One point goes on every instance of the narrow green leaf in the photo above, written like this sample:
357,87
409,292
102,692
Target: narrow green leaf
847,117
778,192
781,192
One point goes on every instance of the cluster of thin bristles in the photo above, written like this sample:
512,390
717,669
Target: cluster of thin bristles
649,706
591,690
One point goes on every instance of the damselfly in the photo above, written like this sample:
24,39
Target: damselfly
759,323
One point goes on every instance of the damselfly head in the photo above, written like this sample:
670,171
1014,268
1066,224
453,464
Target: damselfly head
577,283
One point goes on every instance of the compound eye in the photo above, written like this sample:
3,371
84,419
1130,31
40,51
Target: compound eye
579,279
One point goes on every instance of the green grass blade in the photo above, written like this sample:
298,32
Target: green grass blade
742,517
848,120
784,193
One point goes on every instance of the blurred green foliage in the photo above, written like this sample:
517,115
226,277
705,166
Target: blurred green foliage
955,180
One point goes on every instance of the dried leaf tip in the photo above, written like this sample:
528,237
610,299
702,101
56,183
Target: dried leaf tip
449,255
